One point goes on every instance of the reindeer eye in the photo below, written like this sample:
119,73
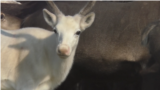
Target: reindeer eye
78,32
55,30
2,16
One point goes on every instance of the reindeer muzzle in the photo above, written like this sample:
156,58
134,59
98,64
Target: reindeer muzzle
63,50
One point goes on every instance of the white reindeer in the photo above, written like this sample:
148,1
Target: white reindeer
38,59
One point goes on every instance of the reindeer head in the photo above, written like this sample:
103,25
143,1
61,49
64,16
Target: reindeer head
68,28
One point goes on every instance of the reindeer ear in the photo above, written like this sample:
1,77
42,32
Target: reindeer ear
49,17
87,20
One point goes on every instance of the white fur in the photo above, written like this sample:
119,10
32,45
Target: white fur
32,62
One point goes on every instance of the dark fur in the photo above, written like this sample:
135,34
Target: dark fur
110,54
151,39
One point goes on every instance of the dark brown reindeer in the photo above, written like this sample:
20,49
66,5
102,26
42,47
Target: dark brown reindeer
117,54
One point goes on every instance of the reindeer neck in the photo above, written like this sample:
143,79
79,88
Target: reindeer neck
60,67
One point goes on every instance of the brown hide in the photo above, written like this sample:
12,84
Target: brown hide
115,35
108,51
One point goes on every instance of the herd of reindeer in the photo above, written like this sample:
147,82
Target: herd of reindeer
80,45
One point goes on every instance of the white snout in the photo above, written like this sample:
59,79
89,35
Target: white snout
63,50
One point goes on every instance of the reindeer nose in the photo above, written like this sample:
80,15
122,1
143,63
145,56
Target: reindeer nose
63,50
